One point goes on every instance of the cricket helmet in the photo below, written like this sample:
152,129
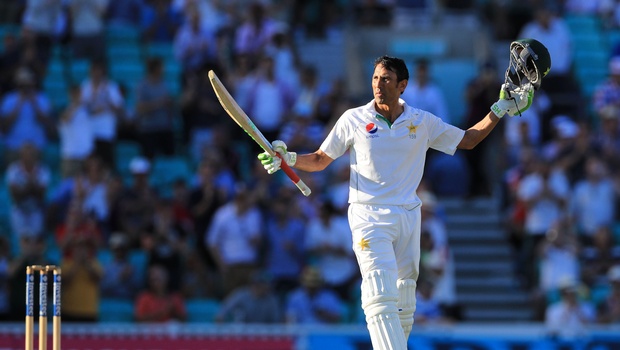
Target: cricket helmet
529,60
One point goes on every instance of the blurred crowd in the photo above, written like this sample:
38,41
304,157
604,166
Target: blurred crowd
228,232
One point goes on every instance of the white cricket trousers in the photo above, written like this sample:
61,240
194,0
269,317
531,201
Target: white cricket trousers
386,241
386,238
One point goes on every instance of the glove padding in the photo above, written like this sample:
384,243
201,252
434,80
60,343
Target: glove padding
513,102
272,164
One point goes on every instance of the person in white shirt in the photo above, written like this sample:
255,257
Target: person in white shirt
387,140
88,28
544,193
593,203
568,317
76,136
426,95
234,238
104,103
27,180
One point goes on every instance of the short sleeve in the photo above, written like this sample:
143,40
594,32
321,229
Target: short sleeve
339,139
444,137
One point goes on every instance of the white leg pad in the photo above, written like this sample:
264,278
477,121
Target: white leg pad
406,304
379,299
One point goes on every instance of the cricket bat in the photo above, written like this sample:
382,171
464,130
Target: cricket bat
238,115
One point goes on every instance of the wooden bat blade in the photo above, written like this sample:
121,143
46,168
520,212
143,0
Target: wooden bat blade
238,115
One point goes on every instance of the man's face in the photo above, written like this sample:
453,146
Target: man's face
385,87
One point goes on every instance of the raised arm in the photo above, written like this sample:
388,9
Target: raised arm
511,102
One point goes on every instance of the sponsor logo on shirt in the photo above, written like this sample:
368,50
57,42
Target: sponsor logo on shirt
371,129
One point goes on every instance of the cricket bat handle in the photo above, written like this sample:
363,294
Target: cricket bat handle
294,177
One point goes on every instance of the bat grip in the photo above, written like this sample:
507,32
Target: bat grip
294,177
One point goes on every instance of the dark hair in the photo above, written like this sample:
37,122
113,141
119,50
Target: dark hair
395,65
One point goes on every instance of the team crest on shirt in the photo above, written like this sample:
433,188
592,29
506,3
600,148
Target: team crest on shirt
371,129
412,130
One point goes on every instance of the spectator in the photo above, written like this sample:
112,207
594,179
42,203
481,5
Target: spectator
166,243
254,303
424,94
558,257
41,18
120,279
597,258
606,96
204,201
160,22
234,239
88,28
256,32
270,100
607,137
328,243
136,206
76,136
480,93
428,310
81,275
155,112
284,233
27,180
87,193
563,139
593,200
26,114
78,227
568,317
574,156
194,47
181,210
157,303
200,110
551,30
124,13
544,192
242,79
312,303
439,261
104,103
527,130
199,280
286,63
609,309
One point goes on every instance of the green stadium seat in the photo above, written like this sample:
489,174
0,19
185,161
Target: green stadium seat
583,23
79,69
122,34
124,53
201,310
163,50
166,170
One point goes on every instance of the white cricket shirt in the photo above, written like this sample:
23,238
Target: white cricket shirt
387,160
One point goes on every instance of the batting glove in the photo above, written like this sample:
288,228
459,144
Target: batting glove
513,102
272,164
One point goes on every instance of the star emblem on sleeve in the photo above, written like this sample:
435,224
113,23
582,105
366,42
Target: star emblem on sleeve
364,243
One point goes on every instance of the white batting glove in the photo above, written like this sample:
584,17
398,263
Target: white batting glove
272,164
513,102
